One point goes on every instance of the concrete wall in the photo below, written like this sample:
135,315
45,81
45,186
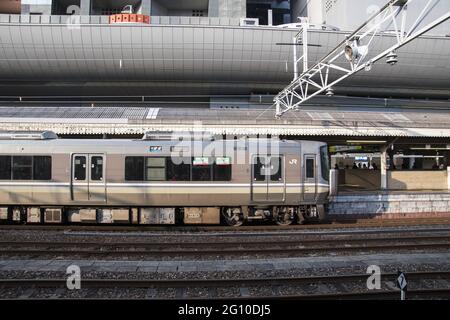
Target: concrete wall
227,8
85,7
417,180
43,7
360,178
146,7
314,10
414,205
184,13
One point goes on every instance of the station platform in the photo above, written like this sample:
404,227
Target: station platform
231,265
390,204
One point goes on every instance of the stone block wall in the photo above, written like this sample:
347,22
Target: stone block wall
417,180
399,205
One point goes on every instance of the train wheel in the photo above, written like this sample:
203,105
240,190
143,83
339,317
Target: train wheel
284,216
233,216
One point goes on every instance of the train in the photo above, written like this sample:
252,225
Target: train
161,180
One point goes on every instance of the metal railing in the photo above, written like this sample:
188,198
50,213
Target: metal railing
86,20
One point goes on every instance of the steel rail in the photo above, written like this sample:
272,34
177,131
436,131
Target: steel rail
289,242
352,224
224,251
384,294
365,295
273,281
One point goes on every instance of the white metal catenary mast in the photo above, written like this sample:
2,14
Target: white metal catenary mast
353,51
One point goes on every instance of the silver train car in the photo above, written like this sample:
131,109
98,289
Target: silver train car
155,180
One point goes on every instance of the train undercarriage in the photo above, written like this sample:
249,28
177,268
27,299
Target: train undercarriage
232,216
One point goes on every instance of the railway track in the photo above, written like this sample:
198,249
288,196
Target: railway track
185,244
224,248
331,224
243,286
434,293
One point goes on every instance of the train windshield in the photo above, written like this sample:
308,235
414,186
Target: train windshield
324,163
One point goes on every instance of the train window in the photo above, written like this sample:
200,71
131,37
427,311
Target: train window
260,169
178,169
222,169
97,168
5,167
276,169
201,169
22,168
155,169
309,169
42,168
134,168
325,163
80,168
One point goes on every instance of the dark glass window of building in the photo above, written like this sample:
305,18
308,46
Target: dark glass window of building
281,11
65,7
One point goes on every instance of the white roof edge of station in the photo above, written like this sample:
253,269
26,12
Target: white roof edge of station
302,130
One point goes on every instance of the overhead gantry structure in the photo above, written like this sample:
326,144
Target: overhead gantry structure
355,53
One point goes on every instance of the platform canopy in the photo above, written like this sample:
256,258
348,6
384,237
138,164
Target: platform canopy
138,120
51,59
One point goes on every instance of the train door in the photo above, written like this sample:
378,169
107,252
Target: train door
268,179
309,177
88,177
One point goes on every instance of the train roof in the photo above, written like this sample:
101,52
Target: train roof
135,145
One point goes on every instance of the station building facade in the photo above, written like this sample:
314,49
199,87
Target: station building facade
345,14
200,54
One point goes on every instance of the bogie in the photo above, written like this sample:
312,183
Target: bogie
233,216
284,216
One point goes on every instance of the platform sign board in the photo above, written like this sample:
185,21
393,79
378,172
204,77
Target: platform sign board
201,161
402,284
401,281
223,161
334,149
